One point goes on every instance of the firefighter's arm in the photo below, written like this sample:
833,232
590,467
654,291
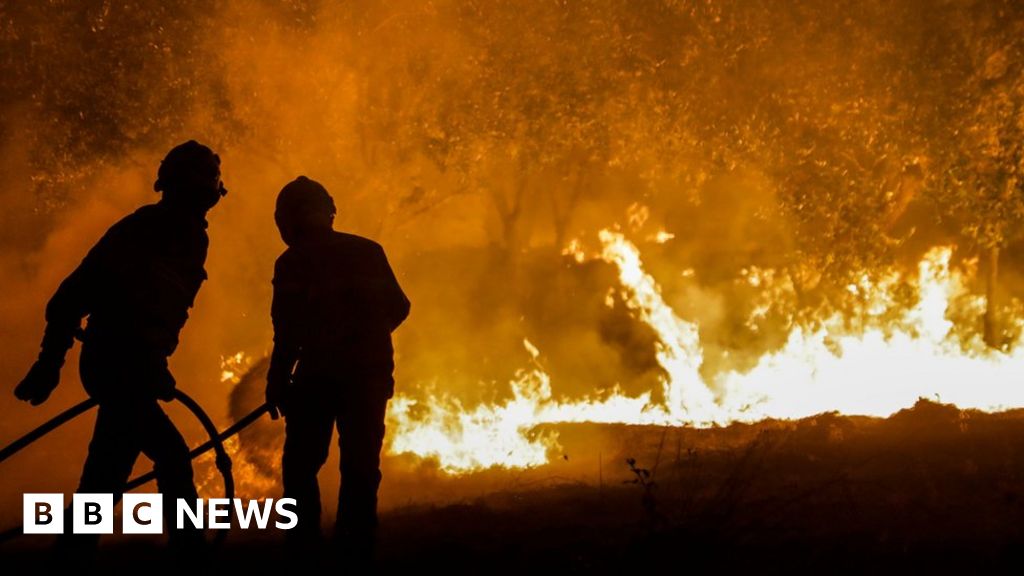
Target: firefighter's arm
394,303
286,313
64,313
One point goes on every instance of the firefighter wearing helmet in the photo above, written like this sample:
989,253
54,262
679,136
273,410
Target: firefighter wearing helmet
336,302
135,286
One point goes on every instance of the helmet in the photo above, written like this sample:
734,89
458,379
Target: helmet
301,203
190,168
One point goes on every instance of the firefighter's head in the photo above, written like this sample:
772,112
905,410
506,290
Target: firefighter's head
189,176
305,211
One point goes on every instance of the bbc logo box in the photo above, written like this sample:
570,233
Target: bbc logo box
92,514
43,513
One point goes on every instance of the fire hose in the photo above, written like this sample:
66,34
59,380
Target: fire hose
215,443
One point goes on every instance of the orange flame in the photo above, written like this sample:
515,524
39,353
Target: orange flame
871,372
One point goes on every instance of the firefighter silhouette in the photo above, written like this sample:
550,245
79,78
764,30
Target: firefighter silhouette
336,302
136,286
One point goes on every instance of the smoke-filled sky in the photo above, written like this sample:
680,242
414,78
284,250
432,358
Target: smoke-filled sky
475,140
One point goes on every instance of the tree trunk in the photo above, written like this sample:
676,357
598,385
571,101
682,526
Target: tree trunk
562,214
992,336
510,211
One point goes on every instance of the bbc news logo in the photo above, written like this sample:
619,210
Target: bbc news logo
144,513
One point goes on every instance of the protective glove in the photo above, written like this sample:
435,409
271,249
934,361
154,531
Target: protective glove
40,381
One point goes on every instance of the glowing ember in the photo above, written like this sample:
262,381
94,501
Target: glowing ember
232,367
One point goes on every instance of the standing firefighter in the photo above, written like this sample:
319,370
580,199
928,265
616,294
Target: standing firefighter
136,286
336,302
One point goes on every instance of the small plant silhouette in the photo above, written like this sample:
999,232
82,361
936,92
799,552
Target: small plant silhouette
645,479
